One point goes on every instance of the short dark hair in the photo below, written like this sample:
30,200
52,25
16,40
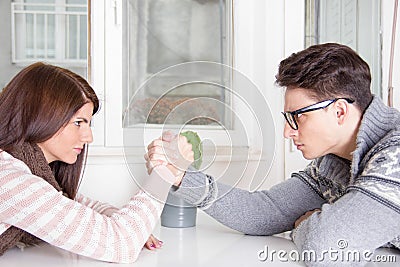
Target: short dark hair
328,70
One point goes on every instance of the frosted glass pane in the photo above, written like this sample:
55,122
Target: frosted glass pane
165,33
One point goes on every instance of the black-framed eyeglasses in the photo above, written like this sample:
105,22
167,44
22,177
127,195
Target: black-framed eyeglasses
290,116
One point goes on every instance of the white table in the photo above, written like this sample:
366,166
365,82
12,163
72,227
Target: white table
208,244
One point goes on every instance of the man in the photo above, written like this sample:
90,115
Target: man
348,198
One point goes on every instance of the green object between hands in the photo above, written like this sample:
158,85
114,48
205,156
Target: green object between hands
194,139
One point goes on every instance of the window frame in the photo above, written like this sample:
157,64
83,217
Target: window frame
363,32
153,131
60,57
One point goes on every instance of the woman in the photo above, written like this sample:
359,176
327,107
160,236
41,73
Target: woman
44,132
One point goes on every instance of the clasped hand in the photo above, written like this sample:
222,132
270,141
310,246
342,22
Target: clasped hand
305,217
171,150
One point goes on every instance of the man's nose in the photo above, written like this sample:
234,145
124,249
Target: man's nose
288,132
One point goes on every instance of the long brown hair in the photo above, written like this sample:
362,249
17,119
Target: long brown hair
36,103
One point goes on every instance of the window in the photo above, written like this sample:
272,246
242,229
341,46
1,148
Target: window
164,41
50,30
350,22
53,31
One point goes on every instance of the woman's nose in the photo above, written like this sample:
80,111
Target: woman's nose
87,136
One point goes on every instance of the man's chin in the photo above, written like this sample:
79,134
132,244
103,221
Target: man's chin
308,156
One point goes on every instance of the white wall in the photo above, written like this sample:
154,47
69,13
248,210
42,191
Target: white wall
387,18
7,70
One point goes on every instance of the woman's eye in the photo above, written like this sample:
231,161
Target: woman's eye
77,123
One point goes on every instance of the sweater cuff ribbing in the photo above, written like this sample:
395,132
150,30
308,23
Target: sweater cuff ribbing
194,187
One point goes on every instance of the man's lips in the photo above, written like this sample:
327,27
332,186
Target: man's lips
298,145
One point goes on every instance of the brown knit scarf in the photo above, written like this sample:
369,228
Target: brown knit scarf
34,158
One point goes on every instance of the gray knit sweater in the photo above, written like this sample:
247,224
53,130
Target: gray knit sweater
359,200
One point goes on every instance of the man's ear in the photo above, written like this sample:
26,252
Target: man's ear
342,111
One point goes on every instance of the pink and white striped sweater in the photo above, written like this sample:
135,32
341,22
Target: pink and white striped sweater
82,226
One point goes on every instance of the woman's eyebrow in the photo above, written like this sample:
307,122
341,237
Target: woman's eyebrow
83,119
